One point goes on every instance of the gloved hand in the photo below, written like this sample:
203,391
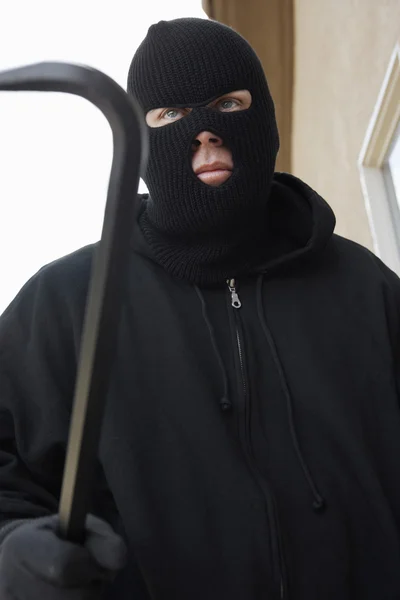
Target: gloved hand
36,564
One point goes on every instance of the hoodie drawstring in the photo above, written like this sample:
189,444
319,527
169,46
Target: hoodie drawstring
224,402
319,502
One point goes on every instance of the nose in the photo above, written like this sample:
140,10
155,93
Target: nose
206,138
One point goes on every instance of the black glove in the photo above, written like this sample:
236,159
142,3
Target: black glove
36,564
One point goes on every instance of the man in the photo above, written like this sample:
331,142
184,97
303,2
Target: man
251,442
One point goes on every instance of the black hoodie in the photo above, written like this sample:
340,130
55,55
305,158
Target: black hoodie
247,453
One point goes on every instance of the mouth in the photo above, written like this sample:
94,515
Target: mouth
213,173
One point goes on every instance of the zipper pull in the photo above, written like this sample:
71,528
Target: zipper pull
235,298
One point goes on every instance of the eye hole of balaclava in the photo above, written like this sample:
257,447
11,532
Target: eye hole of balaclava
238,100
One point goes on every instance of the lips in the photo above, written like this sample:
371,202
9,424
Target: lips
214,173
214,166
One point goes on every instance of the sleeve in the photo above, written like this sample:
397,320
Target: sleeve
38,347
391,291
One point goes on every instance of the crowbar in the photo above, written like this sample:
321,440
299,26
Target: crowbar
108,272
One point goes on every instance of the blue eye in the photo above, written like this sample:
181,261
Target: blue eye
171,114
227,104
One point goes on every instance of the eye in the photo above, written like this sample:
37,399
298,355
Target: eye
172,114
227,104
159,117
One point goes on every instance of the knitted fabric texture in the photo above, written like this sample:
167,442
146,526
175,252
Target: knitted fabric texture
197,232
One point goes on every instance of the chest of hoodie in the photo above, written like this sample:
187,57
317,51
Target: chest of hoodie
321,404
178,366
330,350
258,411
320,412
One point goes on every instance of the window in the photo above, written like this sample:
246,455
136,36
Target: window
391,174
379,165
392,170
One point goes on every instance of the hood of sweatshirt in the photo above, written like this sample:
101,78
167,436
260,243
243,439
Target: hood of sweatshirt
301,224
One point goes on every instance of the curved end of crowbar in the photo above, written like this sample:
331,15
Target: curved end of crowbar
121,110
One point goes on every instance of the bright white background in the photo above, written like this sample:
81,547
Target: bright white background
55,150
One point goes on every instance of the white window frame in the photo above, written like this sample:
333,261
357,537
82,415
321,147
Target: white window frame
378,140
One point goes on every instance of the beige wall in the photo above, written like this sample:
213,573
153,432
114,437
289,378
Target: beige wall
342,50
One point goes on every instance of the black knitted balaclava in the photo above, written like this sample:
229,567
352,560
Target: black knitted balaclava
197,232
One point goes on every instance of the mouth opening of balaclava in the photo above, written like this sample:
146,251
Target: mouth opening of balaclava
197,232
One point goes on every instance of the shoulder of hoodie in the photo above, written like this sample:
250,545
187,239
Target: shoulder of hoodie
363,265
56,294
63,281
345,259
367,277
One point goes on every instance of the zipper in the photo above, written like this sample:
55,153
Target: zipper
237,304
235,300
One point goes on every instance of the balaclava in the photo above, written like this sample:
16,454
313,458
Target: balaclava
197,232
